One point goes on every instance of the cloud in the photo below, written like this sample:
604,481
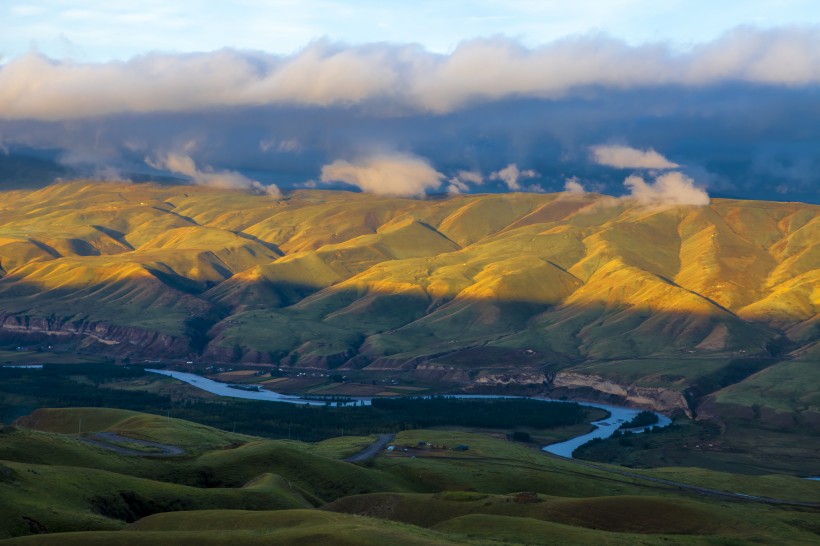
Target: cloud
396,77
385,174
184,165
109,174
625,157
460,183
226,110
290,145
511,175
674,188
574,186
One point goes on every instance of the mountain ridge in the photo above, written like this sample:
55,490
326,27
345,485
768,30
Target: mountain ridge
338,279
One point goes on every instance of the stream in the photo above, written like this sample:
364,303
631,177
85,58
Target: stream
603,428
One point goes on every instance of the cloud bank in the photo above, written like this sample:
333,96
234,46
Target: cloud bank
399,77
739,115
385,174
624,157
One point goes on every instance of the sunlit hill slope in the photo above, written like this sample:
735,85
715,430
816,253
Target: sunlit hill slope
338,279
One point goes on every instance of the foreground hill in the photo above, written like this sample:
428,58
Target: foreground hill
483,289
58,487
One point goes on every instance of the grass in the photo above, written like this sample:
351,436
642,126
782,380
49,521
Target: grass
623,514
785,387
675,372
613,520
733,445
341,447
140,426
54,481
772,485
658,299
225,465
410,275
222,527
28,358
492,466
327,479
61,498
523,530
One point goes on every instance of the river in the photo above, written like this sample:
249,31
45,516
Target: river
224,389
603,428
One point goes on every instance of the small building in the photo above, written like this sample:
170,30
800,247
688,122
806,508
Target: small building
461,447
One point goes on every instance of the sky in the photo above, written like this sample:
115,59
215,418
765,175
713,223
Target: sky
676,102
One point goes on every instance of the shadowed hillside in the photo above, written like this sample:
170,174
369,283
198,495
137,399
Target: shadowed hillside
450,286
61,487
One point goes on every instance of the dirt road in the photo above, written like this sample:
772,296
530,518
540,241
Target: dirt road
370,451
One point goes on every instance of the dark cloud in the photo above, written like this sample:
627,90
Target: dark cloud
741,115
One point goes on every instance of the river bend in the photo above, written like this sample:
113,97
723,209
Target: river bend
603,428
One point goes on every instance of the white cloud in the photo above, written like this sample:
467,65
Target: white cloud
398,76
674,188
574,186
109,174
385,174
625,157
460,183
184,165
511,175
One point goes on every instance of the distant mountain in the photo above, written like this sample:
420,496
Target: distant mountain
20,171
479,288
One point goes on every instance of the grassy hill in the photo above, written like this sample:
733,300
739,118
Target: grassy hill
671,307
564,275
57,488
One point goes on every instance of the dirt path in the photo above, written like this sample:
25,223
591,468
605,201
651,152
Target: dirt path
109,440
370,451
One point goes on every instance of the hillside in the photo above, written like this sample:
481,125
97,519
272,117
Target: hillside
57,487
469,288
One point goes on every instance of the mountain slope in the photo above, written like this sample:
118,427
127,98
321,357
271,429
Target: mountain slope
330,279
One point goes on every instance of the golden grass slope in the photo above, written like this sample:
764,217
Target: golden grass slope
586,277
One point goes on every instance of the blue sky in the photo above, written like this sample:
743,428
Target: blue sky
95,30
671,101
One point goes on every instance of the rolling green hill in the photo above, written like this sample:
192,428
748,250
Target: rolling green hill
58,488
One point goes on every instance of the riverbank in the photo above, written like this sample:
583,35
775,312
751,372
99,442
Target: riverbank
604,428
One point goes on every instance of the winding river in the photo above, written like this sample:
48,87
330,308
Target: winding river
603,428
